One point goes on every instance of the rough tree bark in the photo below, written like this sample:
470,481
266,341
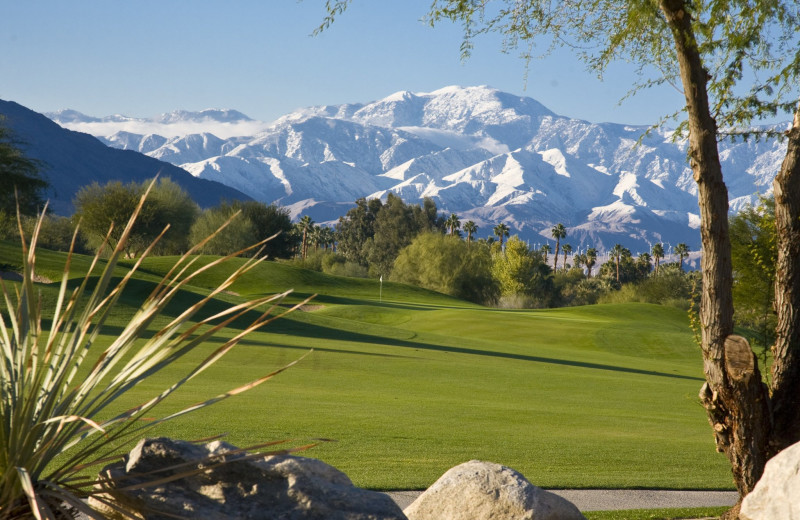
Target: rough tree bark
734,395
786,351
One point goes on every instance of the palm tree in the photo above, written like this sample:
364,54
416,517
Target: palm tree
558,232
682,250
315,237
501,230
328,238
546,249
469,229
452,223
579,260
306,224
644,264
616,253
591,259
566,249
658,254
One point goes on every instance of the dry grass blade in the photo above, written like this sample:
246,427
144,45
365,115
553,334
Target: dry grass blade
44,414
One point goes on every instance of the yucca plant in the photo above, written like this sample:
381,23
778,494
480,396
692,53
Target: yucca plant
54,425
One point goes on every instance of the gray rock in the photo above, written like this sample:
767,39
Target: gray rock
777,494
215,484
479,490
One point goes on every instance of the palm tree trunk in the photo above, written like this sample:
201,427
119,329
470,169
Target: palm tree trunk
733,395
555,260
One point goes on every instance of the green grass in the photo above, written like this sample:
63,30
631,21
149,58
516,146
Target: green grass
592,397
656,514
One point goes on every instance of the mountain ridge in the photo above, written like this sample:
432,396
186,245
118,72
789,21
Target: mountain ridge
71,160
481,153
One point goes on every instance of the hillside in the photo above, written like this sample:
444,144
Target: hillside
71,160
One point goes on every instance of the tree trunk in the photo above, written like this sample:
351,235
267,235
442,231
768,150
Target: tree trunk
734,395
555,261
786,351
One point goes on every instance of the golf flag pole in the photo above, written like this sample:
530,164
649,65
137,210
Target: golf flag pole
380,291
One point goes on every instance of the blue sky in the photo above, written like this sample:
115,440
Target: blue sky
141,58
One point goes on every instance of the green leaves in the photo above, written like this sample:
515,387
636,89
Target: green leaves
750,49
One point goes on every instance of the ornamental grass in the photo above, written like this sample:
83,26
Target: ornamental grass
58,419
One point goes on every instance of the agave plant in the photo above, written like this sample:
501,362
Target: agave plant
57,413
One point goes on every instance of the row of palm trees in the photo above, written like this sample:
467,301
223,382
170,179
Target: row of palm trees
326,237
314,235
470,228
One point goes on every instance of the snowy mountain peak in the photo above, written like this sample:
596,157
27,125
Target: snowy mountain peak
207,115
486,155
66,115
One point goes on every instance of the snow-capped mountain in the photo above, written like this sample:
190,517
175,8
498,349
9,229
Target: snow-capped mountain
222,123
486,155
71,160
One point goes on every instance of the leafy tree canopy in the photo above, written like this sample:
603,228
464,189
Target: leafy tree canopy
438,262
520,271
237,235
754,254
99,207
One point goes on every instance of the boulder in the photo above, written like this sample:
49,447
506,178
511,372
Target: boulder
479,490
777,494
217,481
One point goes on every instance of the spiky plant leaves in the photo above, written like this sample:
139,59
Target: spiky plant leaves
45,413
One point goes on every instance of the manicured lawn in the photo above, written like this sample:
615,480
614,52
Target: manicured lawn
407,387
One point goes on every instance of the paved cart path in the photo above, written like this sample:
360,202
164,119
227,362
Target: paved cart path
617,499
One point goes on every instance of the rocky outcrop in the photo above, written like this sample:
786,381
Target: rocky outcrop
219,482
777,494
479,490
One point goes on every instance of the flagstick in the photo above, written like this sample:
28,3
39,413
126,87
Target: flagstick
380,291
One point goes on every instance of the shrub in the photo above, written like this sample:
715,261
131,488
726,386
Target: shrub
585,292
670,287
448,265
338,265
47,412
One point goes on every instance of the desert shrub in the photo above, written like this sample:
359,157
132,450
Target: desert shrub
448,265
313,260
56,233
48,414
339,265
670,287
587,291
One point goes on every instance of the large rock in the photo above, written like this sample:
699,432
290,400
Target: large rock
777,494
479,490
223,484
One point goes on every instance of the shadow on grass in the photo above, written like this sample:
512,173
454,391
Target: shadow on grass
137,290
320,332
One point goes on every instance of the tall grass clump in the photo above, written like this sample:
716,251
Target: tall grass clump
58,417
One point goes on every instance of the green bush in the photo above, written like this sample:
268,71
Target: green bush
448,265
670,287
338,265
